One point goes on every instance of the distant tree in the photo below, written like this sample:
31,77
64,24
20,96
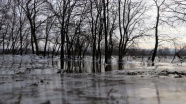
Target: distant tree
48,28
4,24
22,21
164,52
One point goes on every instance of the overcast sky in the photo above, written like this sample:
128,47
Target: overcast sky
164,30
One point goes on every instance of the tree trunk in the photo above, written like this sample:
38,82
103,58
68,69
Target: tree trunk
63,34
105,31
120,30
156,37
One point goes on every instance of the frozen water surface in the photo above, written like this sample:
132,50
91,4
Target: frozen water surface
34,80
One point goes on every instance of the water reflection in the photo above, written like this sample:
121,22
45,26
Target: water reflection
90,89
157,93
35,65
69,66
74,66
32,80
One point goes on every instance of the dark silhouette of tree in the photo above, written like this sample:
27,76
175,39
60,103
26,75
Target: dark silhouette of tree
105,4
4,22
158,8
131,20
33,9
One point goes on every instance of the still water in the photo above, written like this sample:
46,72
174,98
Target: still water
108,88
32,80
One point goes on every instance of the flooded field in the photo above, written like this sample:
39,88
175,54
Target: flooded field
35,80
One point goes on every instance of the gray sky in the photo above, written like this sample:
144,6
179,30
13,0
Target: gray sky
165,31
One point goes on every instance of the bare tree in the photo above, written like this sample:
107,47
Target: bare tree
33,10
22,20
96,25
158,8
62,9
177,10
105,22
4,25
48,27
131,20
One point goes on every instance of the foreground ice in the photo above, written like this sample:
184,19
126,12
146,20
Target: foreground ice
108,88
32,79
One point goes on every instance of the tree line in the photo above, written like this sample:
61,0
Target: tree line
75,28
